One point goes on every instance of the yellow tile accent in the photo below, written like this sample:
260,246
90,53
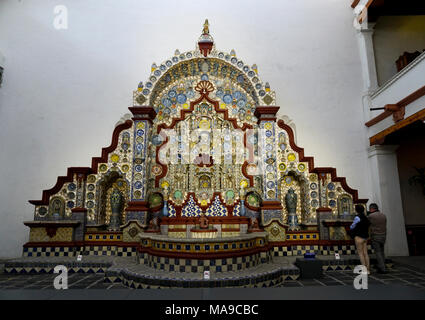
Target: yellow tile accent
40,235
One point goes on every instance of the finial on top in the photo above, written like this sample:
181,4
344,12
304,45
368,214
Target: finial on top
205,41
206,29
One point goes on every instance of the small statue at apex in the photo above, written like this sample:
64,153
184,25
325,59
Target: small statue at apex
206,29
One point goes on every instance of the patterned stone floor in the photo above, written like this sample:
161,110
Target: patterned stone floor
399,275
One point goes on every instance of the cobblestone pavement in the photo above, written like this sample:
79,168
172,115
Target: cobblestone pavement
399,275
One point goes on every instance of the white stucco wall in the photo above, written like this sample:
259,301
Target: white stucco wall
393,36
64,90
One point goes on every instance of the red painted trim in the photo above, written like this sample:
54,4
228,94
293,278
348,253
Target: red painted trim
106,151
176,230
266,110
59,183
318,170
204,255
257,209
203,230
271,205
137,206
192,107
205,47
379,138
51,224
303,231
321,209
111,243
190,255
289,243
378,118
230,229
355,3
182,117
83,170
143,113
245,172
157,208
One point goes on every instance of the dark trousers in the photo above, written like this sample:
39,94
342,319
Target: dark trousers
378,242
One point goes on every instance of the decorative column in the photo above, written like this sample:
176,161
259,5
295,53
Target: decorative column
368,65
386,193
367,57
271,206
323,214
137,207
79,213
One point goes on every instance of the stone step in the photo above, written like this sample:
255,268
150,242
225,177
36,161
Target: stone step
141,276
42,265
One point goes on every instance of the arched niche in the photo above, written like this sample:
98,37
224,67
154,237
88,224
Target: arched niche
300,184
105,186
57,208
345,206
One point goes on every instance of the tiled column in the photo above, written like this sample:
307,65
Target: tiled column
137,208
323,214
271,206
386,193
79,214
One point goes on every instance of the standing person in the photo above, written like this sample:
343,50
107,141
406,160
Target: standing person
360,233
378,234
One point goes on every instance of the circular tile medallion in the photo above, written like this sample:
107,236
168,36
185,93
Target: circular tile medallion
156,170
291,157
282,167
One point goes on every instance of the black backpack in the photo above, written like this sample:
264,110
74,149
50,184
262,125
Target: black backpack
361,228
